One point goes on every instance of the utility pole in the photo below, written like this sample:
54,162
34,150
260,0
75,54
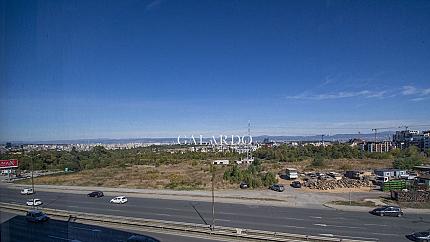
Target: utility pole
249,146
322,139
376,131
213,198
32,180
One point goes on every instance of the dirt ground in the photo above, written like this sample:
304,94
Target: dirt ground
185,176
194,175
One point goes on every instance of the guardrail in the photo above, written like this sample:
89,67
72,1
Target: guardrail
221,231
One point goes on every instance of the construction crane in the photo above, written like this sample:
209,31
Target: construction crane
376,130
404,126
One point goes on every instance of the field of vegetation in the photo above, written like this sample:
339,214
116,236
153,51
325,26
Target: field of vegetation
163,167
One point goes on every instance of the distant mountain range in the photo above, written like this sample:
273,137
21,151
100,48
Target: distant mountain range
386,135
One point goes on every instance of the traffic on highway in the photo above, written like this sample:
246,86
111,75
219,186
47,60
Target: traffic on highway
325,222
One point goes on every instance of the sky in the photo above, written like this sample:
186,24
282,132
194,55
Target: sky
160,68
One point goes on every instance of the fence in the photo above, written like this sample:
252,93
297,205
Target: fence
201,229
394,185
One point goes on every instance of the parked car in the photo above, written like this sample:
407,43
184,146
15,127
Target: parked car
119,200
419,236
141,238
34,202
27,191
296,184
243,185
96,194
36,216
394,211
277,187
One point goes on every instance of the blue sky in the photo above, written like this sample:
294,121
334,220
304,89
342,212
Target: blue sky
118,69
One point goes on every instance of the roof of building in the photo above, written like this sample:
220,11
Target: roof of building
388,169
423,168
425,177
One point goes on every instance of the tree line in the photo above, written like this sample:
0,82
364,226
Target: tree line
99,157
404,159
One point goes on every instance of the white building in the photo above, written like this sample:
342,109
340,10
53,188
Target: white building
220,162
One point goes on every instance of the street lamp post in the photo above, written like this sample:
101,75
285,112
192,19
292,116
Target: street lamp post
32,180
213,198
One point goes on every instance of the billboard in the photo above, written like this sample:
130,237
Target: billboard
6,164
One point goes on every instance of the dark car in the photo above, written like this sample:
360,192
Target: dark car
419,236
141,238
36,216
243,185
95,194
393,211
296,184
277,187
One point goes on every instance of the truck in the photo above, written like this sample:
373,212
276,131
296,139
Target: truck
291,173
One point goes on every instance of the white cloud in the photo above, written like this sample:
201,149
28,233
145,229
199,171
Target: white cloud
417,93
339,95
153,5
409,90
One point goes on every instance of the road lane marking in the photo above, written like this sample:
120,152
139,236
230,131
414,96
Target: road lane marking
162,214
351,237
337,226
93,230
225,220
299,219
56,237
396,235
315,217
356,237
384,225
103,209
323,225
292,226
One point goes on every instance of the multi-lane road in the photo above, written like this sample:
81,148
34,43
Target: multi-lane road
15,228
326,222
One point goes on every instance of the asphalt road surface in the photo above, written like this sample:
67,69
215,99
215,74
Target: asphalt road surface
326,222
15,228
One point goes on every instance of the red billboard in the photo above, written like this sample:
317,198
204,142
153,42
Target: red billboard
5,164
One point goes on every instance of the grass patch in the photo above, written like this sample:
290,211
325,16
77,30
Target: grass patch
355,203
419,205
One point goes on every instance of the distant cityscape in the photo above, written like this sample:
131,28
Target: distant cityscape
377,142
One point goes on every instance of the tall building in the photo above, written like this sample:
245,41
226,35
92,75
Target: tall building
378,146
404,139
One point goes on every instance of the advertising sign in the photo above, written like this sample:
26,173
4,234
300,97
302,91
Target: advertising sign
6,164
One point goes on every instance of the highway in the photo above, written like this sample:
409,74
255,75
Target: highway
15,228
327,222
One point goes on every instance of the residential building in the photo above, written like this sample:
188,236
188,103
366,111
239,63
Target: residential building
378,146
390,173
404,139
426,142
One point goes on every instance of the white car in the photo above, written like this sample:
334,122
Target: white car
119,200
34,202
27,191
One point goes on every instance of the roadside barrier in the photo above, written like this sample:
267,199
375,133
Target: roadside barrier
202,229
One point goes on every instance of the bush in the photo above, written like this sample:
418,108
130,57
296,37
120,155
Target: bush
252,175
318,162
408,158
